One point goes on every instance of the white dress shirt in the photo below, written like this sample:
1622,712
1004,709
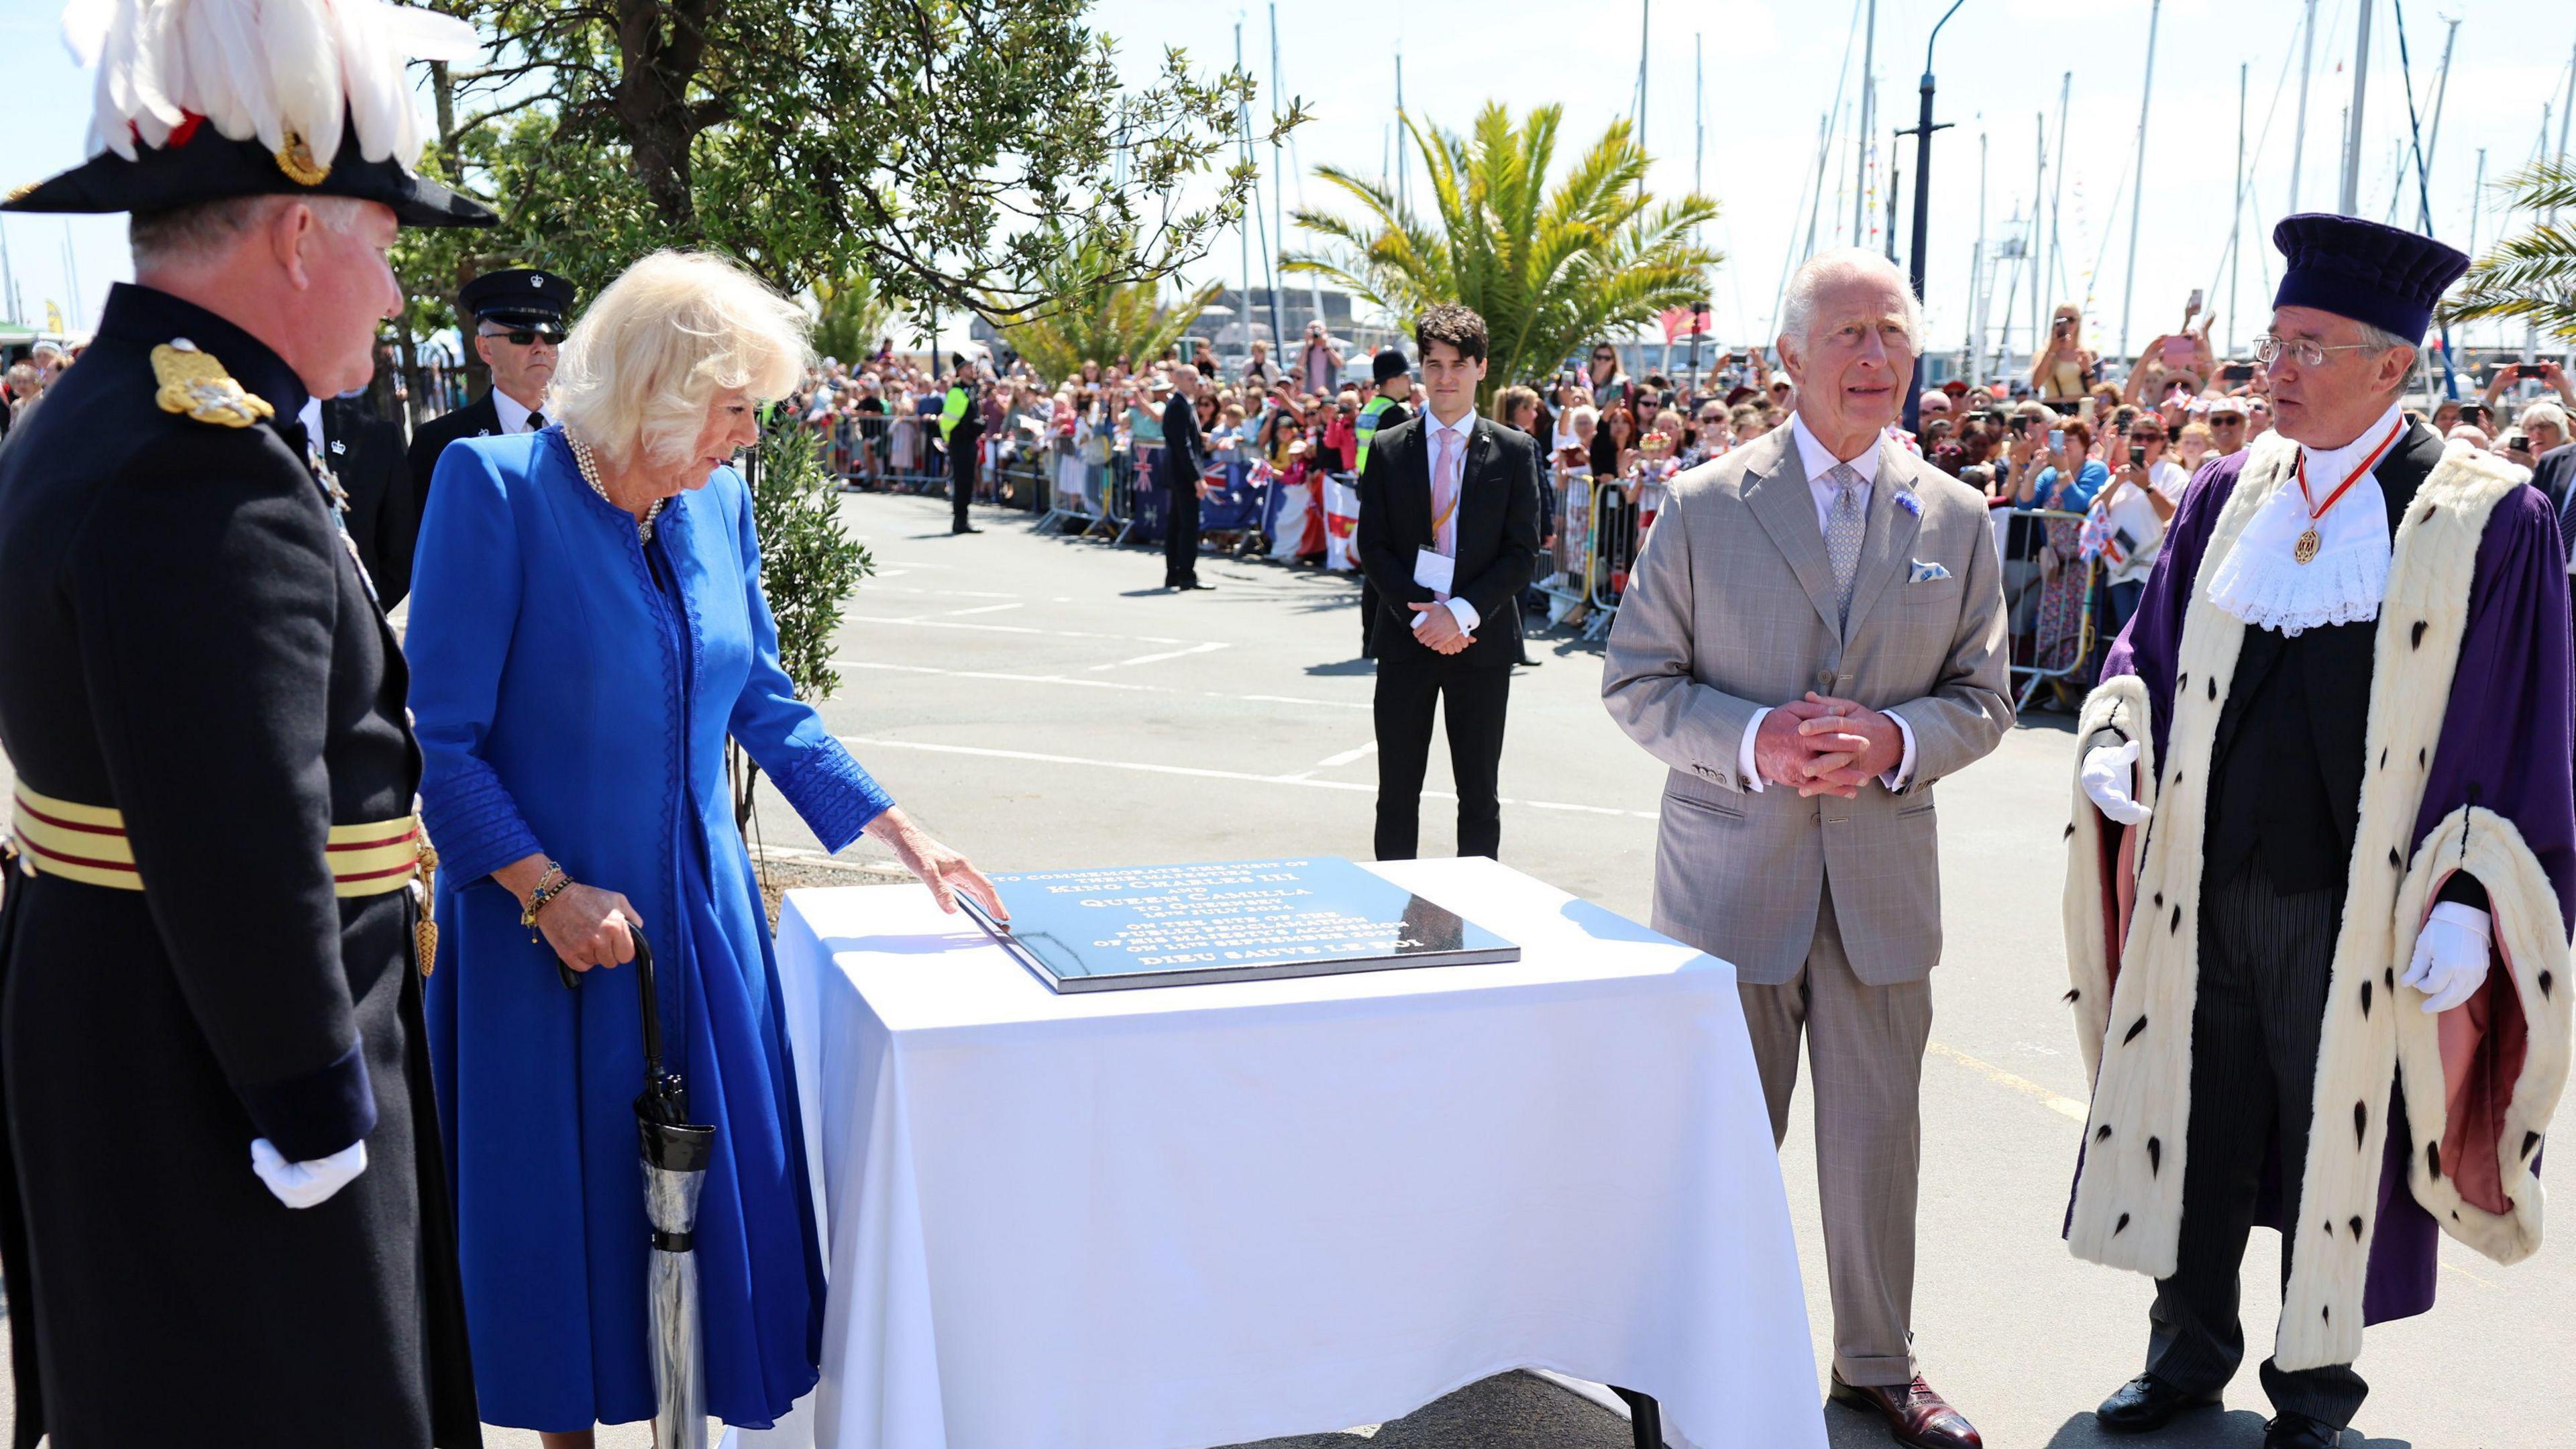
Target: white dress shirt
1818,460
514,417
1461,433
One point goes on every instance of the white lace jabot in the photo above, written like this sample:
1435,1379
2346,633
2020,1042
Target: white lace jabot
2261,580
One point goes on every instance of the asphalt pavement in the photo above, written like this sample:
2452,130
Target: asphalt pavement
1039,703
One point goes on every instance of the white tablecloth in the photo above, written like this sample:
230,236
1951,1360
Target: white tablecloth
1180,1217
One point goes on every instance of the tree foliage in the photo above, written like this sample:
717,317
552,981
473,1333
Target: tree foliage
853,316
948,148
1103,321
2530,275
1550,268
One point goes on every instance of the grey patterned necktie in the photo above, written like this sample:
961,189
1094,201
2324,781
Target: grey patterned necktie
1843,530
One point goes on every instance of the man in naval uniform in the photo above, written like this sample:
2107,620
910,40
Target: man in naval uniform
2323,861
516,318
224,1215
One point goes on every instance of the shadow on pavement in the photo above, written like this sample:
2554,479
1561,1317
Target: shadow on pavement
2231,1429
1344,667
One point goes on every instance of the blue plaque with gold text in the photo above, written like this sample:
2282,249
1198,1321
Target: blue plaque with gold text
1185,925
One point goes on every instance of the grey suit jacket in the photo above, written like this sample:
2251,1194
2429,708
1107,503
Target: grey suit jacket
1731,608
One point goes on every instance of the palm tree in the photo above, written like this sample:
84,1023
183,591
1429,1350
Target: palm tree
1549,269
1089,320
2530,275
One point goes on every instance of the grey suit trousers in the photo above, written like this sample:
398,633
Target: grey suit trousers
1868,1068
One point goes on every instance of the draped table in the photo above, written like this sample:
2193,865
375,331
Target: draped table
1189,1216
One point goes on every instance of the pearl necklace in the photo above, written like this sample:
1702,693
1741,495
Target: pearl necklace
583,459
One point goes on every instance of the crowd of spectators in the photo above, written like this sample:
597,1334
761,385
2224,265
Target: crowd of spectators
2084,459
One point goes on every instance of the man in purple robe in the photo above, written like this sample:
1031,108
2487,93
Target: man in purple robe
2323,861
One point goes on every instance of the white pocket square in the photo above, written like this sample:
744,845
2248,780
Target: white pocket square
1925,573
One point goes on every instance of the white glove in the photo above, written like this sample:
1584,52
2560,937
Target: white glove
306,1184
2106,779
2450,956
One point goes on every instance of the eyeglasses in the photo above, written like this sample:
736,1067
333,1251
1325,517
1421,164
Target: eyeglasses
2269,349
1605,357
525,336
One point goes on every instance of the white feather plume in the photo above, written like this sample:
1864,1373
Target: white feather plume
260,68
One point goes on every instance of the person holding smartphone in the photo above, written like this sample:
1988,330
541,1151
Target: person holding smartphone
2064,370
2132,512
2513,374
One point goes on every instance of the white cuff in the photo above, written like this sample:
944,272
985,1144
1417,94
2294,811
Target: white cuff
2459,913
1744,752
307,1184
1464,612
1903,774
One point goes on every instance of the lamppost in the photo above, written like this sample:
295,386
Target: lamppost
1922,134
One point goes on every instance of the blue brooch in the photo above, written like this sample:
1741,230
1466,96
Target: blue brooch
1906,500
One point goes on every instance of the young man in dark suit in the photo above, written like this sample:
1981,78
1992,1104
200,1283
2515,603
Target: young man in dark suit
1448,532
1180,470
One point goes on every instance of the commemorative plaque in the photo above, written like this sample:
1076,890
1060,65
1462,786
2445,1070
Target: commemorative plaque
1249,920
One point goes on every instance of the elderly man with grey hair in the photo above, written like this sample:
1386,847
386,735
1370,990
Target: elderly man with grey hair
1813,636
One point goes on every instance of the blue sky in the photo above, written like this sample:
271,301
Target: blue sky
1770,71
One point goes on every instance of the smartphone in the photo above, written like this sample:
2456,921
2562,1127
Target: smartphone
2237,372
2517,442
2178,351
2057,440
2192,307
2527,369
2137,455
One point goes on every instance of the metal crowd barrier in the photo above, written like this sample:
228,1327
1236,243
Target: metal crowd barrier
2025,582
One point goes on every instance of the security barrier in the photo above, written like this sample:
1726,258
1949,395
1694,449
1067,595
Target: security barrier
2038,547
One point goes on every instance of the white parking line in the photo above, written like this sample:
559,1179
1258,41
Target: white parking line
1152,768
934,622
1159,658
1347,757
981,609
1009,678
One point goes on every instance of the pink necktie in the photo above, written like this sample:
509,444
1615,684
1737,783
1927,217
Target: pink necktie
1444,495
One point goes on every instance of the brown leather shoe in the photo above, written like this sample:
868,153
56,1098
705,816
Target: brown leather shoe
1915,1416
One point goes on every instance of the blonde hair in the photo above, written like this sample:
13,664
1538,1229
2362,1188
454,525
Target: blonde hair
643,365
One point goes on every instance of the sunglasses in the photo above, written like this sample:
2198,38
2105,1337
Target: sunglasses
525,336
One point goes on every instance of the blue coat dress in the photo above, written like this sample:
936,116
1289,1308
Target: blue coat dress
573,690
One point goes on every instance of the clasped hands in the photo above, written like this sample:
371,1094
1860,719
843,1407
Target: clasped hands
1822,745
1438,629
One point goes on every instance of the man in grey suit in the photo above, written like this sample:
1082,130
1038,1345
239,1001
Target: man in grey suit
1812,636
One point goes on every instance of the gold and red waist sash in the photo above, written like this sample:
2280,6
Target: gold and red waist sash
87,843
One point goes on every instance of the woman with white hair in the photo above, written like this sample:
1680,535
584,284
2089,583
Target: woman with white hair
587,629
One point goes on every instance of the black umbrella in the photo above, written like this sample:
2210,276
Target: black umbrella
675,1166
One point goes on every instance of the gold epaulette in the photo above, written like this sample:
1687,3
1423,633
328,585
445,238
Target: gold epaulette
193,382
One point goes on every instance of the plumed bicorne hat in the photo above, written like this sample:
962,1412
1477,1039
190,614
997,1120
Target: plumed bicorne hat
203,100
2360,269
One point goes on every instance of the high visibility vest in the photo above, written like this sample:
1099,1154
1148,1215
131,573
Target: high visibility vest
953,411
1366,426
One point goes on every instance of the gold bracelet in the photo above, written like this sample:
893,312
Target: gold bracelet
550,885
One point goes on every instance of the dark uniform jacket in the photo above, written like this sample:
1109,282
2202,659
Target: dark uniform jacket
184,637
365,451
476,419
1497,537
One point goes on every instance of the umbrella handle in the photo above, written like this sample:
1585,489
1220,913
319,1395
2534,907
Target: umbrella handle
644,986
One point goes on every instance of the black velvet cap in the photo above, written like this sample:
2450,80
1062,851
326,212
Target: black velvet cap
2363,270
1389,363
202,164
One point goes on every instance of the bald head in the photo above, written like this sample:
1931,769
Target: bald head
1186,378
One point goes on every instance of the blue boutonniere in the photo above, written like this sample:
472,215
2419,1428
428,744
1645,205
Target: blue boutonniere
1906,500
